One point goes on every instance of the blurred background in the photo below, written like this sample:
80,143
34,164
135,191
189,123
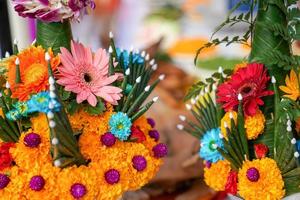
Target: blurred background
171,31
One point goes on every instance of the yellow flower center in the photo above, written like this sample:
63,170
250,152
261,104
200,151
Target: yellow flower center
35,73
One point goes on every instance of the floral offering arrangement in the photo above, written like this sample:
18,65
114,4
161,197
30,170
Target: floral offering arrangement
248,119
72,121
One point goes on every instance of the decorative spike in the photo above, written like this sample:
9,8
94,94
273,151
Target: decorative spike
214,87
57,163
152,62
143,54
193,101
293,141
162,77
54,141
18,73
47,56
220,70
289,123
147,88
225,125
182,118
188,106
273,80
50,115
7,85
111,35
206,90
110,50
51,80
52,124
221,135
289,128
138,80
230,115
296,154
155,99
154,67
15,41
240,97
147,57
52,95
131,49
180,127
7,54
127,72
17,61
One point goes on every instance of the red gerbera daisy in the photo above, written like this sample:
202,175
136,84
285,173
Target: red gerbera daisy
251,83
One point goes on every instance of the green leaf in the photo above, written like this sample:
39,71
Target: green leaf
54,35
72,107
97,110
64,95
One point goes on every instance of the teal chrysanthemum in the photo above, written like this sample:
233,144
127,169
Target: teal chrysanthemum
120,125
209,143
40,103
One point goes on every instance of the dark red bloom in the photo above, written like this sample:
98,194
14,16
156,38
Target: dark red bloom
251,83
231,184
261,150
137,134
5,157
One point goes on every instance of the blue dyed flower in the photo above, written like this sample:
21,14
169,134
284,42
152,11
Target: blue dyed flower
13,115
22,108
40,103
209,143
124,55
120,125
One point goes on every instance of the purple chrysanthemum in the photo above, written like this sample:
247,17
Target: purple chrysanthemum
160,150
32,140
154,134
78,190
151,122
139,163
4,181
112,176
253,174
37,183
108,139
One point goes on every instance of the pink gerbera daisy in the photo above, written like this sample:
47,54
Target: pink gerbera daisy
86,74
251,83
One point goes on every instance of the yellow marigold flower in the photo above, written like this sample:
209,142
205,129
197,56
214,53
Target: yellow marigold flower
84,175
226,119
292,86
27,158
239,66
86,123
255,125
260,179
216,176
14,190
40,125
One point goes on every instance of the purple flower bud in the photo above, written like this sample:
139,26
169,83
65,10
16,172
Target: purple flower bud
4,181
78,190
32,140
37,183
154,134
112,176
160,150
151,122
108,139
139,163
253,174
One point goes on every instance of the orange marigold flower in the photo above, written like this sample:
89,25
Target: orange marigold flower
33,72
292,86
